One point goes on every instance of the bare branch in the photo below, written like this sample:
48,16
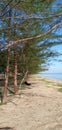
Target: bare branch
6,6
35,17
11,8
33,37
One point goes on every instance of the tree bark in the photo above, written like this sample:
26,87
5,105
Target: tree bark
4,100
15,72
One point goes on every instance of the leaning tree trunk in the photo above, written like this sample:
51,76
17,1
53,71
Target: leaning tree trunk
4,100
15,71
8,57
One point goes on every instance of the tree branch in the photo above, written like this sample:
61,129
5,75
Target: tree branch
31,38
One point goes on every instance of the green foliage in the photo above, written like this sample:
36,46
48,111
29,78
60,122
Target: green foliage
3,59
33,55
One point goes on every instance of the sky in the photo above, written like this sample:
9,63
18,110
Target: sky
56,66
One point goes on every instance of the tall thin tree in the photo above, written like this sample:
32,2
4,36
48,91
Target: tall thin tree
6,77
15,71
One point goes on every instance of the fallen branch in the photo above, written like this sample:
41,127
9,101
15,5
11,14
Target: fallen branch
23,79
11,91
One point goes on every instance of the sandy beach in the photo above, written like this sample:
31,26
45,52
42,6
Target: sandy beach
38,107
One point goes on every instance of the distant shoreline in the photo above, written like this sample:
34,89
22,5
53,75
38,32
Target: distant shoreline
54,76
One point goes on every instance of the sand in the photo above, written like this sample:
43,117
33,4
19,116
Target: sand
39,107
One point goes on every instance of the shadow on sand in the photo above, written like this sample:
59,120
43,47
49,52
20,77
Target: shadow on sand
6,128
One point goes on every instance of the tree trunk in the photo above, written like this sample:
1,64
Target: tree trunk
15,71
4,100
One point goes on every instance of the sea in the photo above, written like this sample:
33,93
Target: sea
57,76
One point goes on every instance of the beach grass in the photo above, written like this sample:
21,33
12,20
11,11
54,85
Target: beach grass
59,84
60,89
48,82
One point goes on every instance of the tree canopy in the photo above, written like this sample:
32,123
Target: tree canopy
28,31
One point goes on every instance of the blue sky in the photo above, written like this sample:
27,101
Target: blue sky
56,66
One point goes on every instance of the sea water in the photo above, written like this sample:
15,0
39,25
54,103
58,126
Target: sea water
57,76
